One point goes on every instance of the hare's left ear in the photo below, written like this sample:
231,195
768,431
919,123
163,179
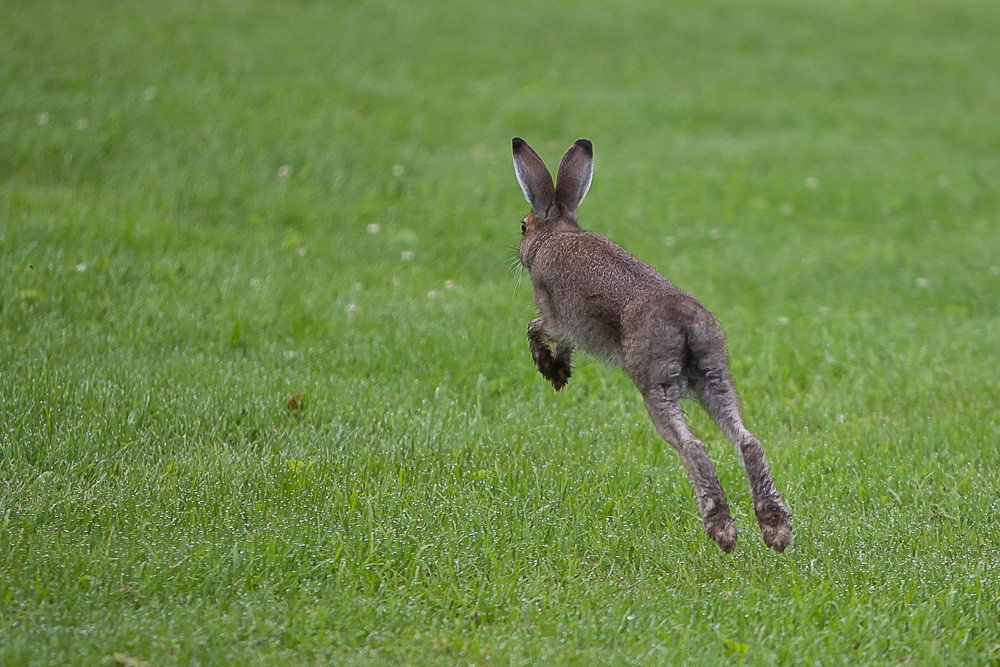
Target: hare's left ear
575,174
533,177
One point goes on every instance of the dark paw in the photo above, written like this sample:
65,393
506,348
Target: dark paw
724,535
558,374
775,526
719,526
556,369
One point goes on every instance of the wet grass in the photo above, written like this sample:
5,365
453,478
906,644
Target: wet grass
266,397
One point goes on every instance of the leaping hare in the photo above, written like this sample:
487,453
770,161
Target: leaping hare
594,296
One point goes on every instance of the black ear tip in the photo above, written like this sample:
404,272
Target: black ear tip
585,145
518,143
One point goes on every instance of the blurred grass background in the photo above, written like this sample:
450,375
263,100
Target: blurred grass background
209,209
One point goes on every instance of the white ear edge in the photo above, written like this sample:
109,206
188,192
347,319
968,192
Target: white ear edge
586,181
521,180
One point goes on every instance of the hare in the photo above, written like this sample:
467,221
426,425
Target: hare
594,296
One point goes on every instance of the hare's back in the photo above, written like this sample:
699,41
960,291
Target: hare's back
598,266
583,283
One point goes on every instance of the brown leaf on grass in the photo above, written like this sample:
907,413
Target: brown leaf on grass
295,405
129,661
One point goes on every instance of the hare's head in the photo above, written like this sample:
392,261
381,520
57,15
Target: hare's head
553,208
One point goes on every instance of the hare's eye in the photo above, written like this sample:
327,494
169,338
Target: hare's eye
524,226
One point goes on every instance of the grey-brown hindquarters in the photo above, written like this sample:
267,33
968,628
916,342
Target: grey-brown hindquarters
690,359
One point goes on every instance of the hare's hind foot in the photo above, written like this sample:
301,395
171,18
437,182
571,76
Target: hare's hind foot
719,525
775,524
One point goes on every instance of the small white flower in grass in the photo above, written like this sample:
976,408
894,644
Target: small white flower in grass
398,170
357,287
80,268
82,123
374,228
448,284
432,294
923,282
669,240
406,255
786,209
42,118
811,183
302,252
149,93
284,173
715,234
352,309
289,354
783,321
995,270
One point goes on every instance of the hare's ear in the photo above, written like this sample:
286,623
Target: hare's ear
533,177
575,173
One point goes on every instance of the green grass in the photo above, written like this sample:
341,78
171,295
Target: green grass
186,195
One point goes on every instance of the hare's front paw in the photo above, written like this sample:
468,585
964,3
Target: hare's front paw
556,369
561,368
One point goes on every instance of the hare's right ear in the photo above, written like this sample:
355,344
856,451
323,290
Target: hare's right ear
533,177
575,174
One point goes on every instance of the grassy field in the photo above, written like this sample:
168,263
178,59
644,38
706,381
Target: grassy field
265,394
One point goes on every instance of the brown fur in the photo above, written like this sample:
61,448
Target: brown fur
594,296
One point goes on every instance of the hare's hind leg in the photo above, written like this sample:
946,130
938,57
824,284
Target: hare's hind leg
556,368
663,404
717,394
